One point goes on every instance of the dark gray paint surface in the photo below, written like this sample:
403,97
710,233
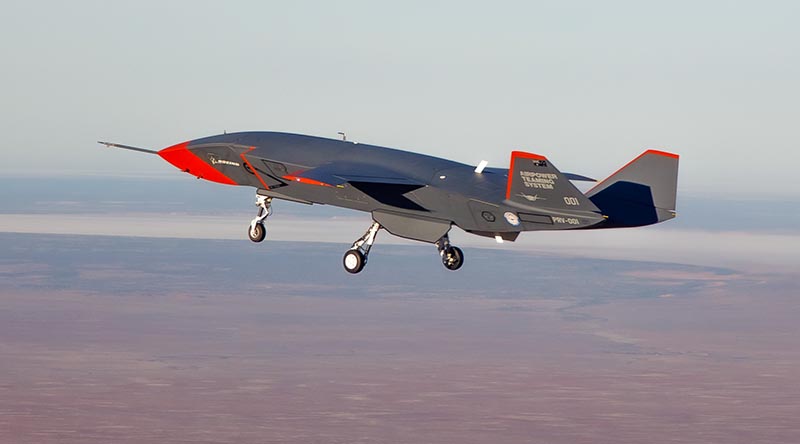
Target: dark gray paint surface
416,192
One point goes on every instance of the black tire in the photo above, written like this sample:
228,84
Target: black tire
258,233
453,258
354,261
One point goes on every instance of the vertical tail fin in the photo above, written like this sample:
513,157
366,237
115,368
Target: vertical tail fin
533,181
643,192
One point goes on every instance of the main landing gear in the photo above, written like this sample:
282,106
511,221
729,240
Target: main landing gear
452,257
256,232
356,257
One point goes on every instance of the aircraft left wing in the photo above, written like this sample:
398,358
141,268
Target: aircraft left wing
336,174
381,184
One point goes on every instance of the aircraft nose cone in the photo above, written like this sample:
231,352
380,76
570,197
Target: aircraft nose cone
188,161
177,155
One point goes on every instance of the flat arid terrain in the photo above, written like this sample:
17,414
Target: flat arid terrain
141,340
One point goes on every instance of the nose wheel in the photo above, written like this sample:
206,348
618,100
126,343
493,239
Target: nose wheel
257,232
452,257
355,258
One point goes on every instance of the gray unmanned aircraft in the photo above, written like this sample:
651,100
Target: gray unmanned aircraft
421,197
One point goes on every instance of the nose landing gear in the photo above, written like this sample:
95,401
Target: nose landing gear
256,232
356,257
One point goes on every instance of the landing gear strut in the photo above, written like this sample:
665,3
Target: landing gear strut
256,232
452,257
356,257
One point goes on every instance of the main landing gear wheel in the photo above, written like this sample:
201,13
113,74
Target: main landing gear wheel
354,261
257,232
452,257
356,257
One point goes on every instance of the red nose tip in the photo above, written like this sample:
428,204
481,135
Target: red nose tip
185,160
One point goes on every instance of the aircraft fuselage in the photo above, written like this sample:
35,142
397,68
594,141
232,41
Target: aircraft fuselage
421,197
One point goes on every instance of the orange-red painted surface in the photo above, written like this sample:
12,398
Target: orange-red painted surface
183,158
305,180
656,152
255,173
662,153
523,155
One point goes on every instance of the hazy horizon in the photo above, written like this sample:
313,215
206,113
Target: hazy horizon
588,85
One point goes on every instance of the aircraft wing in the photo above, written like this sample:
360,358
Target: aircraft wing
381,184
340,173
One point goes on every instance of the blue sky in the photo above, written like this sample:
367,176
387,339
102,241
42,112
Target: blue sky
589,84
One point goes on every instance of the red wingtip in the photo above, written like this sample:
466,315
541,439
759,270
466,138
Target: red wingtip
185,160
